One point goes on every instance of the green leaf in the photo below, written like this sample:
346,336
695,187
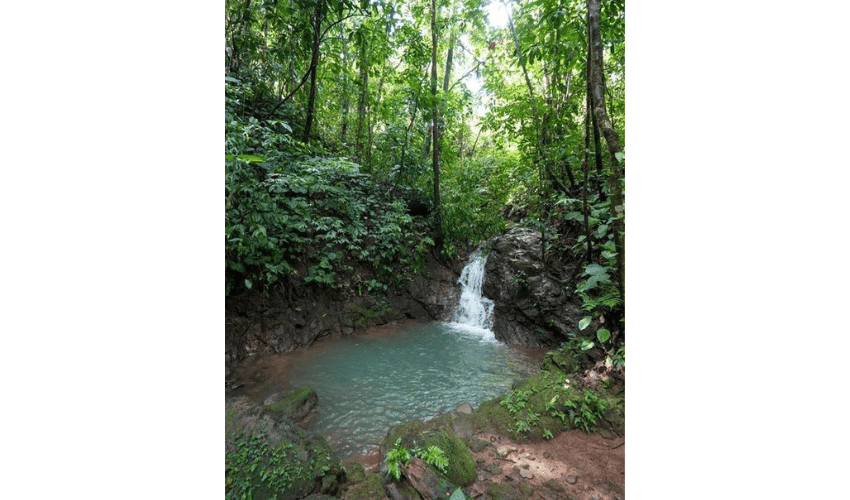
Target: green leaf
594,269
248,283
603,334
458,495
619,156
586,345
584,322
248,158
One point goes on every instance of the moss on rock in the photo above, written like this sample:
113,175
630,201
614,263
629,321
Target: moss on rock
436,432
270,457
501,491
290,403
558,361
368,489
461,469
354,472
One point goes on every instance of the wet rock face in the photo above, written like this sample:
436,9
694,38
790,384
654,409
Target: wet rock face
278,322
531,308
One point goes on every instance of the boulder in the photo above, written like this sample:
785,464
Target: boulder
313,466
530,306
430,484
299,405
419,434
436,291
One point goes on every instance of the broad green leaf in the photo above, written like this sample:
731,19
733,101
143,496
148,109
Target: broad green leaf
584,322
603,334
586,345
458,495
248,158
601,231
619,155
248,283
594,269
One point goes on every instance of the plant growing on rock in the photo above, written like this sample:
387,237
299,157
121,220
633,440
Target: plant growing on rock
400,455
256,465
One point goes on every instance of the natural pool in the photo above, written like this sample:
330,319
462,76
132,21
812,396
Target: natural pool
369,383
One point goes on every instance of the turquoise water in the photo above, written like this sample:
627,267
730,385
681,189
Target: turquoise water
367,384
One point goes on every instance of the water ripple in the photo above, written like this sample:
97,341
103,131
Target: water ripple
367,385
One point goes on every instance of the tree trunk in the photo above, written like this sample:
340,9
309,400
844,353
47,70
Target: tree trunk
364,93
407,137
343,129
434,113
236,56
597,145
585,168
314,64
611,139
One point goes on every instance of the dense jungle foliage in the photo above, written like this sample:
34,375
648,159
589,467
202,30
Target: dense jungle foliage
361,135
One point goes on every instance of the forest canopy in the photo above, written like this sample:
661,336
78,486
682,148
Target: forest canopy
360,136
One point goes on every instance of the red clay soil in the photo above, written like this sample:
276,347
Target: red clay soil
574,466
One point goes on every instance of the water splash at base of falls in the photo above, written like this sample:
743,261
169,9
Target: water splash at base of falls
474,312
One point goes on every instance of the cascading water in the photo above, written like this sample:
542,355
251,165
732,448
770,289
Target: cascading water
368,383
474,311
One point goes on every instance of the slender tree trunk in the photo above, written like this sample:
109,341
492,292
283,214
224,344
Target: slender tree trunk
364,94
346,102
407,136
474,144
314,64
611,139
597,145
434,114
236,59
541,169
585,168
427,149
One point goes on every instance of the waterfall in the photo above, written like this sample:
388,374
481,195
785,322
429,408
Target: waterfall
474,312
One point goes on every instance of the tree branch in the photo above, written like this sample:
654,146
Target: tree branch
310,69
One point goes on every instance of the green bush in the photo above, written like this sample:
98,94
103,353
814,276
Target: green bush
291,212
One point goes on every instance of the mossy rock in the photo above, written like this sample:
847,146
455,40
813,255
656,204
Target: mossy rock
298,405
536,392
269,457
558,361
418,434
370,310
461,469
501,491
368,489
490,416
354,472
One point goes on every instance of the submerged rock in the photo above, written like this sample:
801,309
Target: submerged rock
531,307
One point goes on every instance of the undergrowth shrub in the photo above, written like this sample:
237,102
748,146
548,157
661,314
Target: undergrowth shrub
291,213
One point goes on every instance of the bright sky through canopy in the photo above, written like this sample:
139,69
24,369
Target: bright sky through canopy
497,16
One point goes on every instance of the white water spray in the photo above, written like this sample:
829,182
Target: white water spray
474,312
